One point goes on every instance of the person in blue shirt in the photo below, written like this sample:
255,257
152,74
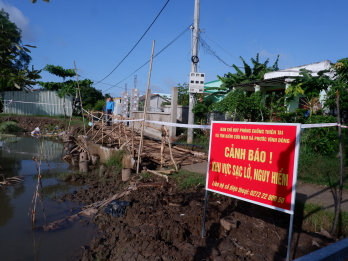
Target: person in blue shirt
109,109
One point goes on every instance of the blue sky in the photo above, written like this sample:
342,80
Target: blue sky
98,34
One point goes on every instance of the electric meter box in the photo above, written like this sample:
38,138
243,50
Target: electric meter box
196,82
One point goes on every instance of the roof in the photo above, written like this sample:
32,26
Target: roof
143,96
267,82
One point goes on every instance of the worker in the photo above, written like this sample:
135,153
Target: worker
109,109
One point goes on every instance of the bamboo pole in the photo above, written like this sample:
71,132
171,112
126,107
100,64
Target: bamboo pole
102,128
162,146
72,111
92,122
339,195
170,148
78,87
119,133
103,123
133,139
144,114
111,132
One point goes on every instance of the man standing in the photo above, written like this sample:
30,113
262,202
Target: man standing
109,109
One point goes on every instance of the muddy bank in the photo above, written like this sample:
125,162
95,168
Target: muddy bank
29,123
165,223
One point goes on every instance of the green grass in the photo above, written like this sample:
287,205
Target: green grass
317,217
115,160
9,127
187,179
322,170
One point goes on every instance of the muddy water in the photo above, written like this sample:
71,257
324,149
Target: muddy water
17,240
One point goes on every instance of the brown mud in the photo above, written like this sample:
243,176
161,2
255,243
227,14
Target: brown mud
29,123
165,223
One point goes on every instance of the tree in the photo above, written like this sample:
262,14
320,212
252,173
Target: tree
309,85
90,95
183,94
341,85
249,75
64,88
14,60
34,1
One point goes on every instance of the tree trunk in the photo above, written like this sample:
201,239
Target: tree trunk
339,194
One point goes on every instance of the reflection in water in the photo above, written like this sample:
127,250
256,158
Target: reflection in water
16,159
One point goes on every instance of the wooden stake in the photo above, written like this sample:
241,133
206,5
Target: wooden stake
144,114
111,132
133,139
339,195
102,128
92,123
78,87
72,111
170,148
162,146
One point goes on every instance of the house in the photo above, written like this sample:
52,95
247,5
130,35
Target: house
278,81
156,101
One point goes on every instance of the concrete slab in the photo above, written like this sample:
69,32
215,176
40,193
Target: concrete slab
198,167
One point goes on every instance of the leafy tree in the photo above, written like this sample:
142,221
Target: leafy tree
90,95
341,85
309,85
34,1
62,88
14,60
249,75
183,94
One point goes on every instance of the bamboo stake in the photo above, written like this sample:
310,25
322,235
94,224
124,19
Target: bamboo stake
112,131
93,126
144,114
170,148
78,87
162,146
339,195
103,123
158,174
72,111
92,122
102,128
119,133
133,139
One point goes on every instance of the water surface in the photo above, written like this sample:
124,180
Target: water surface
17,240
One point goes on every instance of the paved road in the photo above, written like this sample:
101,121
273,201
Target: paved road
305,192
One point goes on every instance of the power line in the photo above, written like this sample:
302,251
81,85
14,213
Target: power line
106,83
176,38
220,46
135,44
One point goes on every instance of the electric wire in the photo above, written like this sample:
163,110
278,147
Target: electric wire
135,44
205,35
175,39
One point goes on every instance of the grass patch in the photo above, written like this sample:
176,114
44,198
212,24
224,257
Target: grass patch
322,170
317,217
187,179
64,175
115,159
9,127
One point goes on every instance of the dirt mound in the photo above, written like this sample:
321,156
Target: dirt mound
166,224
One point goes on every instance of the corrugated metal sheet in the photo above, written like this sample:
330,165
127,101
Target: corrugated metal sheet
24,148
37,103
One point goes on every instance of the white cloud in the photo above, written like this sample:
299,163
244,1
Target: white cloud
17,17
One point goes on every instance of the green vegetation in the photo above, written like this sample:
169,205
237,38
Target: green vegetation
9,127
14,63
187,179
322,170
316,217
115,160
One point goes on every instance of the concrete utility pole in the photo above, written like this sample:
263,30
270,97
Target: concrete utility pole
194,61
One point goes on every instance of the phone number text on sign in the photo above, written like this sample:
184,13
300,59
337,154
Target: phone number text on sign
256,162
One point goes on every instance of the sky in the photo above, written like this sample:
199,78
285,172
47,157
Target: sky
97,35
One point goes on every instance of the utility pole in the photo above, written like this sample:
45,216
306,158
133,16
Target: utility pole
194,62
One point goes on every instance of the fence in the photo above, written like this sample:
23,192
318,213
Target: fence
36,103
